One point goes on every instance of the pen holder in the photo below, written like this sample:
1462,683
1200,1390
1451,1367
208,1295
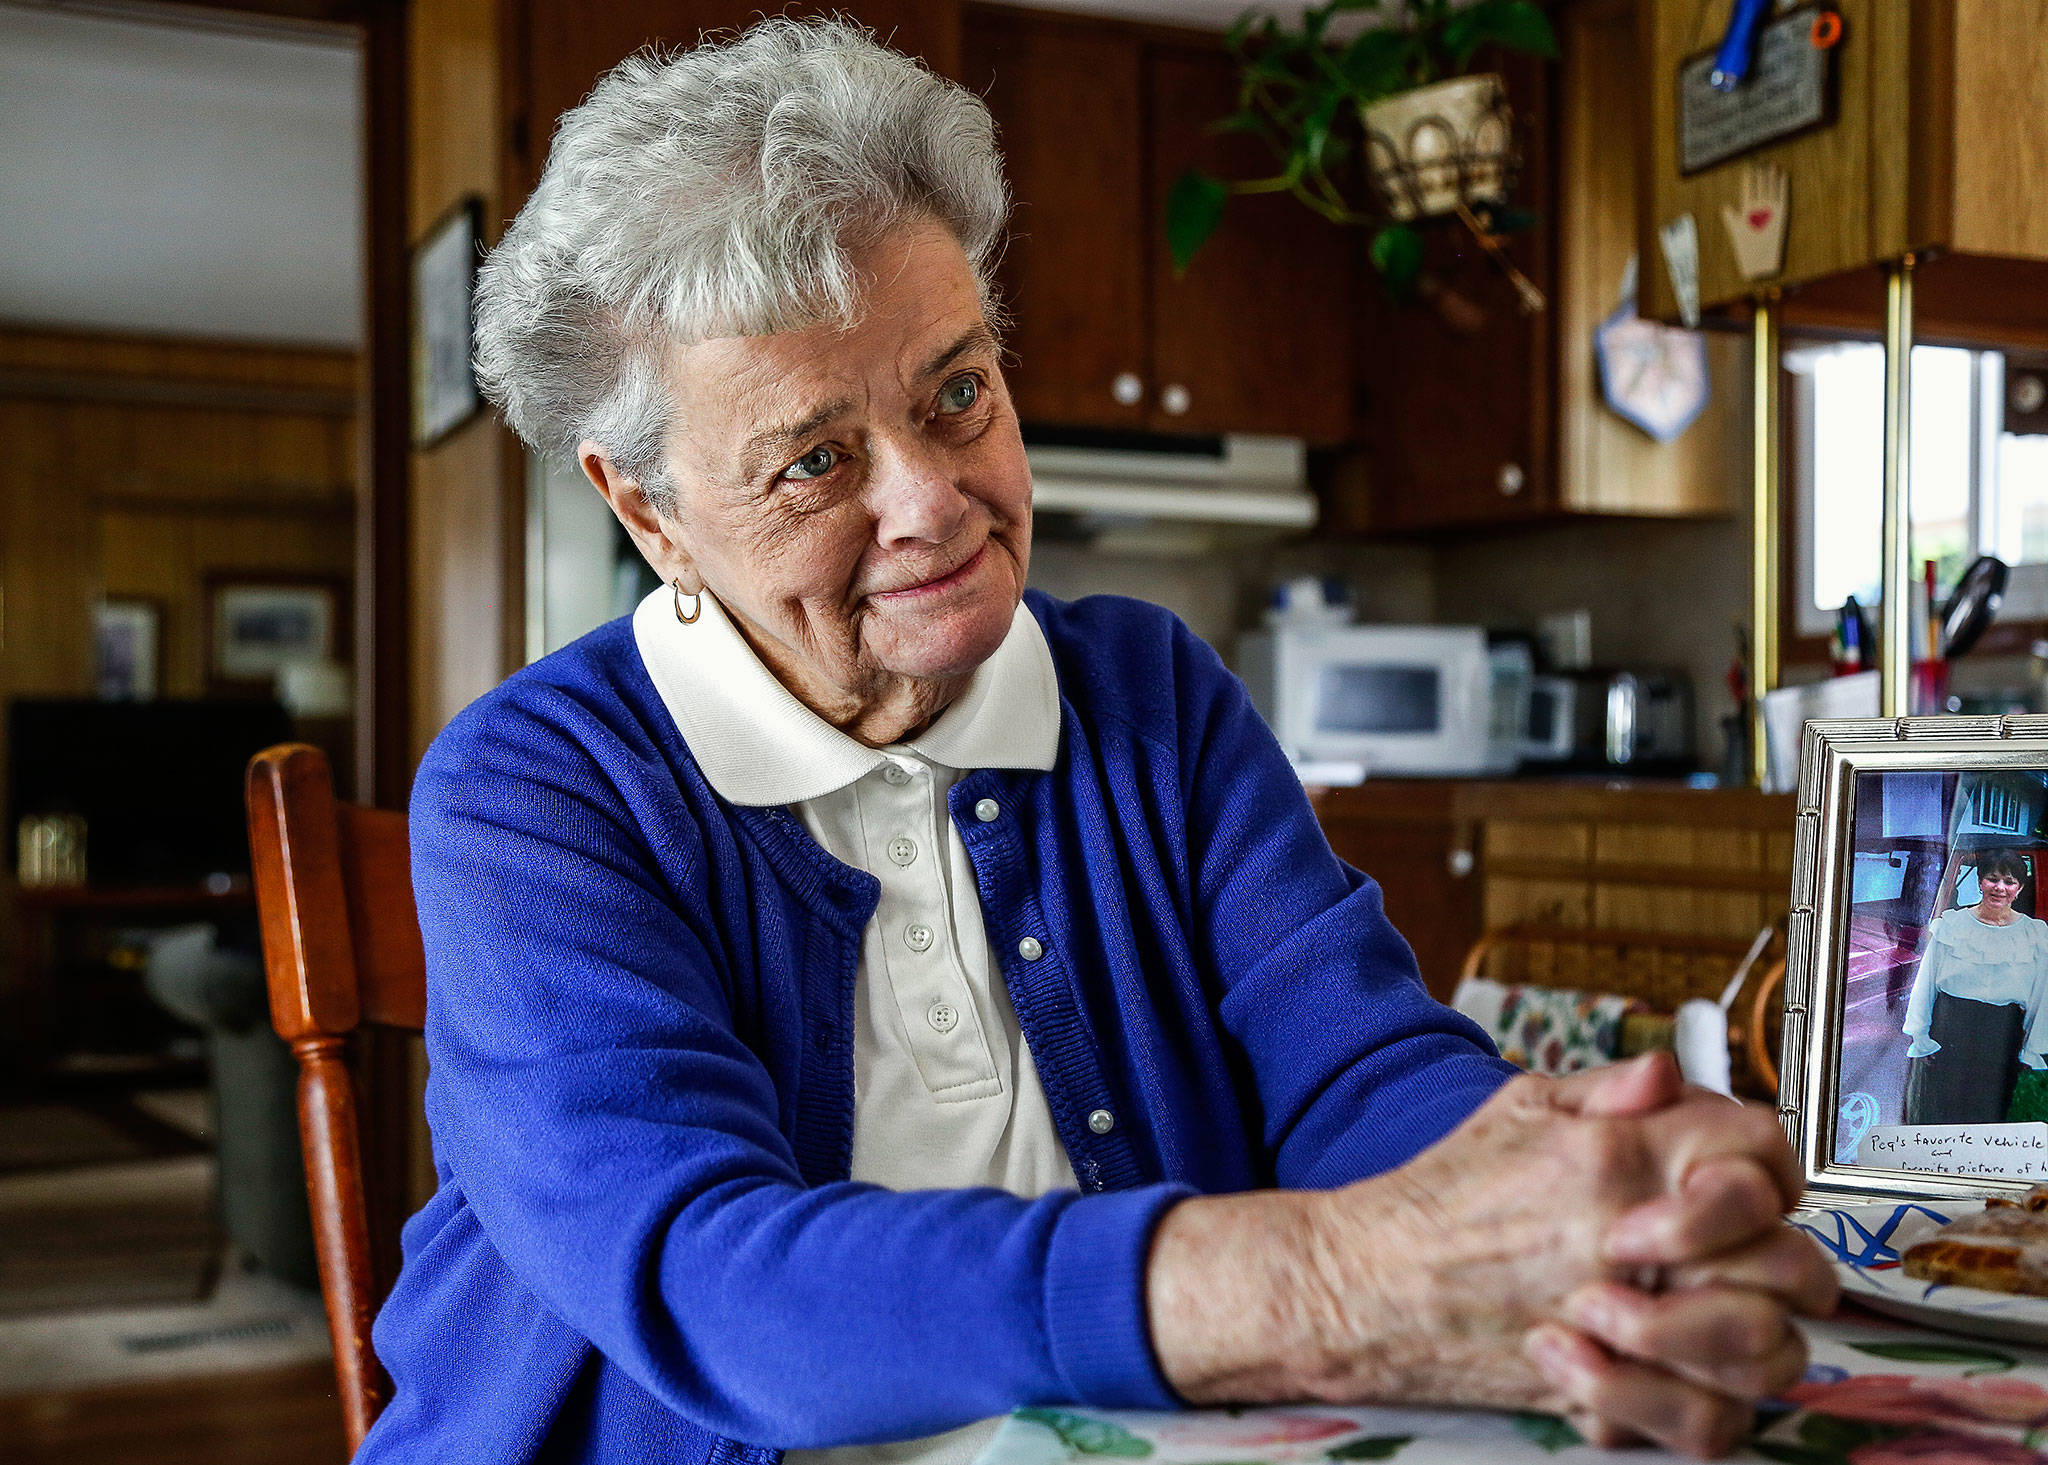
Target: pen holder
1927,688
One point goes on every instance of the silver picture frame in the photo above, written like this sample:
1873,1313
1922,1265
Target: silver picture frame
1833,754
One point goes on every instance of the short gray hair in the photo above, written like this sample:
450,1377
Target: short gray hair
718,192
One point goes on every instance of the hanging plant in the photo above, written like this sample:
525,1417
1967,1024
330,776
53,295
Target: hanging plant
1385,129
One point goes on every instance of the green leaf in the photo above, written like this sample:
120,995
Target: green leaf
1194,207
1243,120
1315,129
1547,1432
1988,1360
1271,69
1397,254
1376,63
1513,25
1088,1436
1240,30
1833,1435
1377,1447
1793,1454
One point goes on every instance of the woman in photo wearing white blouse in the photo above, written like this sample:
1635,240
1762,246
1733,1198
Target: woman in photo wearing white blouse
1977,1010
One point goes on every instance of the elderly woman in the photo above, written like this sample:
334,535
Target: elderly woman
866,997
1979,1005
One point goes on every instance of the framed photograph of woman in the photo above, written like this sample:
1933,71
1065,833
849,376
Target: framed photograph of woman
1916,996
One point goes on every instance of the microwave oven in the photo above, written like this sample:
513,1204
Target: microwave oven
1390,700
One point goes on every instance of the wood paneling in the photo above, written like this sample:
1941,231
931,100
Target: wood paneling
137,467
1607,465
224,1419
69,365
453,105
460,593
465,528
2000,128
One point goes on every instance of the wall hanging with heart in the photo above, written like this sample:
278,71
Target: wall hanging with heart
1756,226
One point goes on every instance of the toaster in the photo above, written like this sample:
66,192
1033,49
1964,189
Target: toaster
1634,720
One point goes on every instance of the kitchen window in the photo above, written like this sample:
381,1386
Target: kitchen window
1977,489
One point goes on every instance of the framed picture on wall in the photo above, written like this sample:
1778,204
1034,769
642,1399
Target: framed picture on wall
259,623
444,390
127,633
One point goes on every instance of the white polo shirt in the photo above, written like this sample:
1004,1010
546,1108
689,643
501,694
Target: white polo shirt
945,1092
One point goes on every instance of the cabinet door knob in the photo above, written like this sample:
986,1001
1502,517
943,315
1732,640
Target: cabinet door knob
1175,399
1128,389
1510,478
1461,862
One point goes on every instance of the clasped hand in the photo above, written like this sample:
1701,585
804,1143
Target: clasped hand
1609,1247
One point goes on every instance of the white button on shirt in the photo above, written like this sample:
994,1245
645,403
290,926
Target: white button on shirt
945,1091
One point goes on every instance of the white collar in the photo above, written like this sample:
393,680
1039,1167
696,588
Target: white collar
758,745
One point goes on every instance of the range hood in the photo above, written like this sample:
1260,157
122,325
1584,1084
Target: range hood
1125,479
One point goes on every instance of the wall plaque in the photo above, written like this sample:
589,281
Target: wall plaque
1790,89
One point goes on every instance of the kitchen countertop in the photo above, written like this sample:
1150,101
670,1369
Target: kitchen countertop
1591,796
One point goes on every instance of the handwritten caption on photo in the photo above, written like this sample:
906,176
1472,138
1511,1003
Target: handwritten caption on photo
2010,1151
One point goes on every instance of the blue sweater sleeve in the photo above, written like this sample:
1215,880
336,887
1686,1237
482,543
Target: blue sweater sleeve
619,1146
1358,1068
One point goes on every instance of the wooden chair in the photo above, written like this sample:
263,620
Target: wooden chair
1661,971
341,941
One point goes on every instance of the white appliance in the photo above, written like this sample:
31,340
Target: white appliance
1233,479
1384,700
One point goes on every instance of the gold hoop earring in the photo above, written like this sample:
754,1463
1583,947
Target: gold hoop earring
696,605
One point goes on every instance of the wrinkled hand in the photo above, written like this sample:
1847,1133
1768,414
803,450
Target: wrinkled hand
1607,1247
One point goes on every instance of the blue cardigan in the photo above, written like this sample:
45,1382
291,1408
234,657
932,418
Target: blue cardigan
644,1245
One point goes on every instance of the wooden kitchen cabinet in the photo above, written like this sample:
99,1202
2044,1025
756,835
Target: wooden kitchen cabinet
1456,424
1258,335
1505,424
1607,465
1098,119
1068,97
1422,849
1935,141
1459,858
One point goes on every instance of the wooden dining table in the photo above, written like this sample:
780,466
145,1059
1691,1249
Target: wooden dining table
1876,1392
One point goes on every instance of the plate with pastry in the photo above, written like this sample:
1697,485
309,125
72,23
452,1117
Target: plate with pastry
1968,1266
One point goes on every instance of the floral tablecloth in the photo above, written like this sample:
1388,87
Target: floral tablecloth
1875,1393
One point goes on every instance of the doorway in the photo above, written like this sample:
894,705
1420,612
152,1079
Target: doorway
186,574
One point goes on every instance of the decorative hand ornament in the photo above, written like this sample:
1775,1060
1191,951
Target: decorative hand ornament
1756,227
